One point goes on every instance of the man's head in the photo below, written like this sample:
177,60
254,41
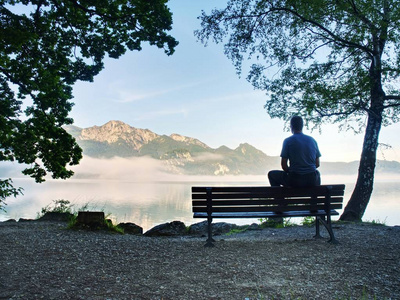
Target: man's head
296,124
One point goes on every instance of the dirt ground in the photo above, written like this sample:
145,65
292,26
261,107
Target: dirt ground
44,260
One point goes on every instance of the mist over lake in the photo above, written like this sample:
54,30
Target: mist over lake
147,200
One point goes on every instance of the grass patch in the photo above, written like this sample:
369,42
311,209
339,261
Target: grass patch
107,225
114,228
237,230
376,222
276,222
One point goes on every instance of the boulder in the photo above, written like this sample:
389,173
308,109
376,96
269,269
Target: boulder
25,220
56,217
254,226
10,221
175,228
131,228
217,228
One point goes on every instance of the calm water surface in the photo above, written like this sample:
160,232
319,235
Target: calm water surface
151,203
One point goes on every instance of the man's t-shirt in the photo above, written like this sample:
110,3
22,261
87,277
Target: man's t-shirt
302,151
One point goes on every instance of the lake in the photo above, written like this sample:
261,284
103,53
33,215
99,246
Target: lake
148,203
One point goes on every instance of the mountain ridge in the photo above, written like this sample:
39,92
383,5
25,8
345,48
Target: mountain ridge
180,154
190,156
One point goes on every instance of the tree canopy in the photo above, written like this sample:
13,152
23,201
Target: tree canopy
48,45
331,61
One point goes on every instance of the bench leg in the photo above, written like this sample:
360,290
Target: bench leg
210,241
328,226
317,232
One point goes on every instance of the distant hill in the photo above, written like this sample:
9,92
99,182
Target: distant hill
187,155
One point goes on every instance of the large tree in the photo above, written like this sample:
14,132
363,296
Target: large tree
45,47
329,60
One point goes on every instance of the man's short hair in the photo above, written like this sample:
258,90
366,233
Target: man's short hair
296,123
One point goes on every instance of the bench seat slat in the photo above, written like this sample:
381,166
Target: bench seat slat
216,195
267,214
320,188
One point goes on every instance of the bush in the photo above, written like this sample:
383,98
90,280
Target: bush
59,206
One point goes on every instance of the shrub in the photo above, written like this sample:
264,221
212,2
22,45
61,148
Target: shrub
59,206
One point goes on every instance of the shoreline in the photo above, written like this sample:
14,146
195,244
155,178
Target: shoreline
154,204
234,223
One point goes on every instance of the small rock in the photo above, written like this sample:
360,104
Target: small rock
254,226
217,228
56,217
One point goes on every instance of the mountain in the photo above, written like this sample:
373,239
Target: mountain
180,154
187,155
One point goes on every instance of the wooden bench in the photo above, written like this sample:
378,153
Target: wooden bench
320,202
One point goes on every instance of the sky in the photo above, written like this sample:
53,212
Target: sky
197,93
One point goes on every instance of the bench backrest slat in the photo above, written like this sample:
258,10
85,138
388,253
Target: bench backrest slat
268,192
263,202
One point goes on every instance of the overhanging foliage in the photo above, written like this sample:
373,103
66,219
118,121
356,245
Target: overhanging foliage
46,46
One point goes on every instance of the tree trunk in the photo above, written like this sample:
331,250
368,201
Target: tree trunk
359,200
91,219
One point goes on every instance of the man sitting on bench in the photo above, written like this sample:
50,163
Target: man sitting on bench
302,153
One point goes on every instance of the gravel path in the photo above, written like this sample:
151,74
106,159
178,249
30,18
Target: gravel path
44,260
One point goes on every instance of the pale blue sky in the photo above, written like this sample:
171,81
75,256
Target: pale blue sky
196,92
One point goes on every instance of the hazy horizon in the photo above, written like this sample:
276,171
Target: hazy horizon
147,169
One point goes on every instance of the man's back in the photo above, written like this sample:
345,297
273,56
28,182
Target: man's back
302,151
299,159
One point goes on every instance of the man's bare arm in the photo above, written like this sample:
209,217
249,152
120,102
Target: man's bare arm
284,164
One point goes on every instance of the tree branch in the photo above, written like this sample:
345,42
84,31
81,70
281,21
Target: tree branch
392,97
391,106
334,36
325,114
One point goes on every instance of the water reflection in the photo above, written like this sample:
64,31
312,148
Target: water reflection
151,203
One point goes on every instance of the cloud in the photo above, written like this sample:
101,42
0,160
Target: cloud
130,95
237,96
